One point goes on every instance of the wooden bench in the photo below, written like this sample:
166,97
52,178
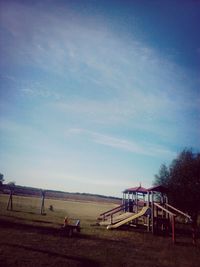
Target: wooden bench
70,229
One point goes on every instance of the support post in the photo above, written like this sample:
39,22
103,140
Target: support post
10,201
173,229
136,201
152,212
194,232
166,204
148,217
42,210
124,202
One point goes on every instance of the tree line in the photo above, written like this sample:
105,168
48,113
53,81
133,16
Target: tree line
182,181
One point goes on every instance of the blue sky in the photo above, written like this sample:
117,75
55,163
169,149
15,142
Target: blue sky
96,95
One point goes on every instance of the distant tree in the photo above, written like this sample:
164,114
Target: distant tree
1,179
184,182
182,179
162,178
11,184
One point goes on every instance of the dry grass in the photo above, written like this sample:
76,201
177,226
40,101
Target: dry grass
29,239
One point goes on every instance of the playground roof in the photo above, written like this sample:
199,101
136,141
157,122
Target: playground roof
158,188
137,189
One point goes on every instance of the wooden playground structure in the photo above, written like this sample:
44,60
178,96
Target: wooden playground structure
140,207
148,208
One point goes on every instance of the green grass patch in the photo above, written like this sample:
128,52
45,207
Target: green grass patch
30,239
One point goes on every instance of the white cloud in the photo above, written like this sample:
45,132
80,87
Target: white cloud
85,76
111,80
28,91
122,144
36,91
129,105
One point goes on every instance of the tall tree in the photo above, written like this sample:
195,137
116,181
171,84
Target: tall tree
162,178
182,180
1,179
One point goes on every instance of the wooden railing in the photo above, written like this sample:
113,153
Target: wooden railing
112,211
179,211
172,217
164,209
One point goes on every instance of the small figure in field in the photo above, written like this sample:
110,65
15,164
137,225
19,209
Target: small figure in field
66,221
51,208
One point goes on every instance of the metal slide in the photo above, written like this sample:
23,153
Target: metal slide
129,219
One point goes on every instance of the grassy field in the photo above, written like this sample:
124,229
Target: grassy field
30,239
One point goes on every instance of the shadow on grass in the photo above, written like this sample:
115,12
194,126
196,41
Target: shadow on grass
29,227
188,244
184,244
24,219
49,230
80,260
29,212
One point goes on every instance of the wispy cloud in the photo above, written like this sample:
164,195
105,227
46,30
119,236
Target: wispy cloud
101,77
35,91
133,80
113,92
122,144
70,45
